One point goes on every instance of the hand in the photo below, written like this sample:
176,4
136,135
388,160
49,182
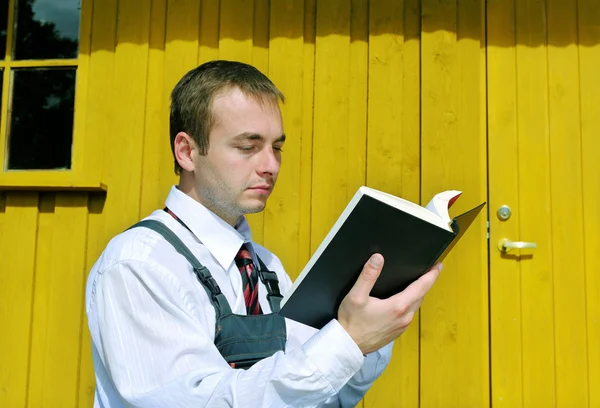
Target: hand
372,323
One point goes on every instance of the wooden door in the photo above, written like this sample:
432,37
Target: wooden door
543,60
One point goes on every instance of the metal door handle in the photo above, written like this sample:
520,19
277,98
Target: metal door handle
505,245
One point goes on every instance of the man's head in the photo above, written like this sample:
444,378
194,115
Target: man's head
226,137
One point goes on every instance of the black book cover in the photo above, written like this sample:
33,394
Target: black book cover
409,245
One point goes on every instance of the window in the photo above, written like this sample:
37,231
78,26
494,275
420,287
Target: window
41,66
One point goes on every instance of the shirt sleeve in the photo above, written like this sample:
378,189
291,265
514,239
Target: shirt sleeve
158,353
373,364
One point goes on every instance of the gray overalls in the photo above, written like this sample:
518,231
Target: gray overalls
242,340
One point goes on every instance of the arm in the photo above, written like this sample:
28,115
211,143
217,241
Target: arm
158,352
373,366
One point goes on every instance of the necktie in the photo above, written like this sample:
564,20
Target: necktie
243,260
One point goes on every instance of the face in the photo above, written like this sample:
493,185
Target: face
240,168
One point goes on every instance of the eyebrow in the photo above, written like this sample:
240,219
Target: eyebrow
256,136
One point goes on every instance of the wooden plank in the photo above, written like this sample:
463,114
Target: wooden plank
537,275
393,157
470,148
131,64
209,31
306,151
567,219
286,70
41,316
236,30
17,260
261,36
6,75
505,288
180,56
2,211
86,161
99,123
454,316
358,96
94,246
589,61
99,120
57,304
331,116
156,134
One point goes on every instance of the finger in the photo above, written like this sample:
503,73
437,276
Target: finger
417,290
367,278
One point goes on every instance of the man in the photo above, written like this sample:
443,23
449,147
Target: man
159,299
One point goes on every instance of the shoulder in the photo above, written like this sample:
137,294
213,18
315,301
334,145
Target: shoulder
133,244
134,249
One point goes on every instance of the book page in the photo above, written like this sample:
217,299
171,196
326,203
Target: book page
441,203
409,207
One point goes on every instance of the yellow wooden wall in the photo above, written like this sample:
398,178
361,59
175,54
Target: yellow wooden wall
544,161
388,93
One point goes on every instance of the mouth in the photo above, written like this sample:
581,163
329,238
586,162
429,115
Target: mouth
262,189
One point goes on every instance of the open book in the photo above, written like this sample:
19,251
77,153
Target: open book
411,239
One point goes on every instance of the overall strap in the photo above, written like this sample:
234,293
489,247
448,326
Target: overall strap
268,278
271,282
203,274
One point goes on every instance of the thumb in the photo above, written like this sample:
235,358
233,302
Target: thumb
367,278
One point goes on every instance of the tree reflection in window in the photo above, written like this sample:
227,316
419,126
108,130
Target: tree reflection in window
46,29
41,97
41,127
3,26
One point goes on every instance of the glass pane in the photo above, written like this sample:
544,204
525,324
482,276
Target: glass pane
46,29
41,124
3,25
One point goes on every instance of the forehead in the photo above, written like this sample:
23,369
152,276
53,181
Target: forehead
234,111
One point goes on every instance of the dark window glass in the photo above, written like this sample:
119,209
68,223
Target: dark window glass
3,25
41,124
46,29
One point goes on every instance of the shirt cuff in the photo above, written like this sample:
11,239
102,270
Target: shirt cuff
334,353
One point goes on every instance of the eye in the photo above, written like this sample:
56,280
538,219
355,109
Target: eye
278,148
247,148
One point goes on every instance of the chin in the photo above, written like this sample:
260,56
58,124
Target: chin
252,208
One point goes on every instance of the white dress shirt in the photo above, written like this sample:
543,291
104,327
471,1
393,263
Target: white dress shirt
153,325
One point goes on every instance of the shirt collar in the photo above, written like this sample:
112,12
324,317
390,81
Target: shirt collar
221,239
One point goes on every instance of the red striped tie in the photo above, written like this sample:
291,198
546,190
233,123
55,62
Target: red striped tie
243,260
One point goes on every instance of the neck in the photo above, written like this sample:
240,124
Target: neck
188,187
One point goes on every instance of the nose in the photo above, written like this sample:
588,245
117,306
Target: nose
270,160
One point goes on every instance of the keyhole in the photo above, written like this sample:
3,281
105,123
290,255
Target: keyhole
504,212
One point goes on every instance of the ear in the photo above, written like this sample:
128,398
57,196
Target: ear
183,149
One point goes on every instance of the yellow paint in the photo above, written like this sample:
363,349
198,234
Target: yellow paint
48,181
506,341
392,157
572,387
17,263
5,81
454,369
589,61
395,94
98,126
209,31
331,117
544,331
156,130
57,311
306,149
